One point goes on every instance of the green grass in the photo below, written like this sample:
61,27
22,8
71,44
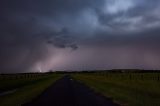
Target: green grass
131,89
27,92
9,84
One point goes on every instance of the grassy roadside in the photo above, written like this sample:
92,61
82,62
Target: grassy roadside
28,92
9,84
126,92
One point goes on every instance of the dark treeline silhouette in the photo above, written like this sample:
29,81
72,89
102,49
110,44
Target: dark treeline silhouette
110,71
87,71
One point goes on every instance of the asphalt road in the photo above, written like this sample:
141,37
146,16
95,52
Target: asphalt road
69,92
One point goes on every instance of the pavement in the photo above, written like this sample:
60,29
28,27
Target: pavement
69,92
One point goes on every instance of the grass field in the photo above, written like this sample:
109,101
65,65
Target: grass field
27,87
130,89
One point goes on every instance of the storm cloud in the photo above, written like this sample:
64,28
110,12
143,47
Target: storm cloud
79,35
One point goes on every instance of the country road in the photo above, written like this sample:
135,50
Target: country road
69,92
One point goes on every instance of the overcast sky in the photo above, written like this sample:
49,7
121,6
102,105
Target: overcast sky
79,35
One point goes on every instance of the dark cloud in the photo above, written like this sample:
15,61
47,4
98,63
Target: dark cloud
62,39
37,34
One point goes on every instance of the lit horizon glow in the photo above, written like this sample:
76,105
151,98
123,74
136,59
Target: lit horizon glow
79,35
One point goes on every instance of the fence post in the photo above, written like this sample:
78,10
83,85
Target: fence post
142,77
130,77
